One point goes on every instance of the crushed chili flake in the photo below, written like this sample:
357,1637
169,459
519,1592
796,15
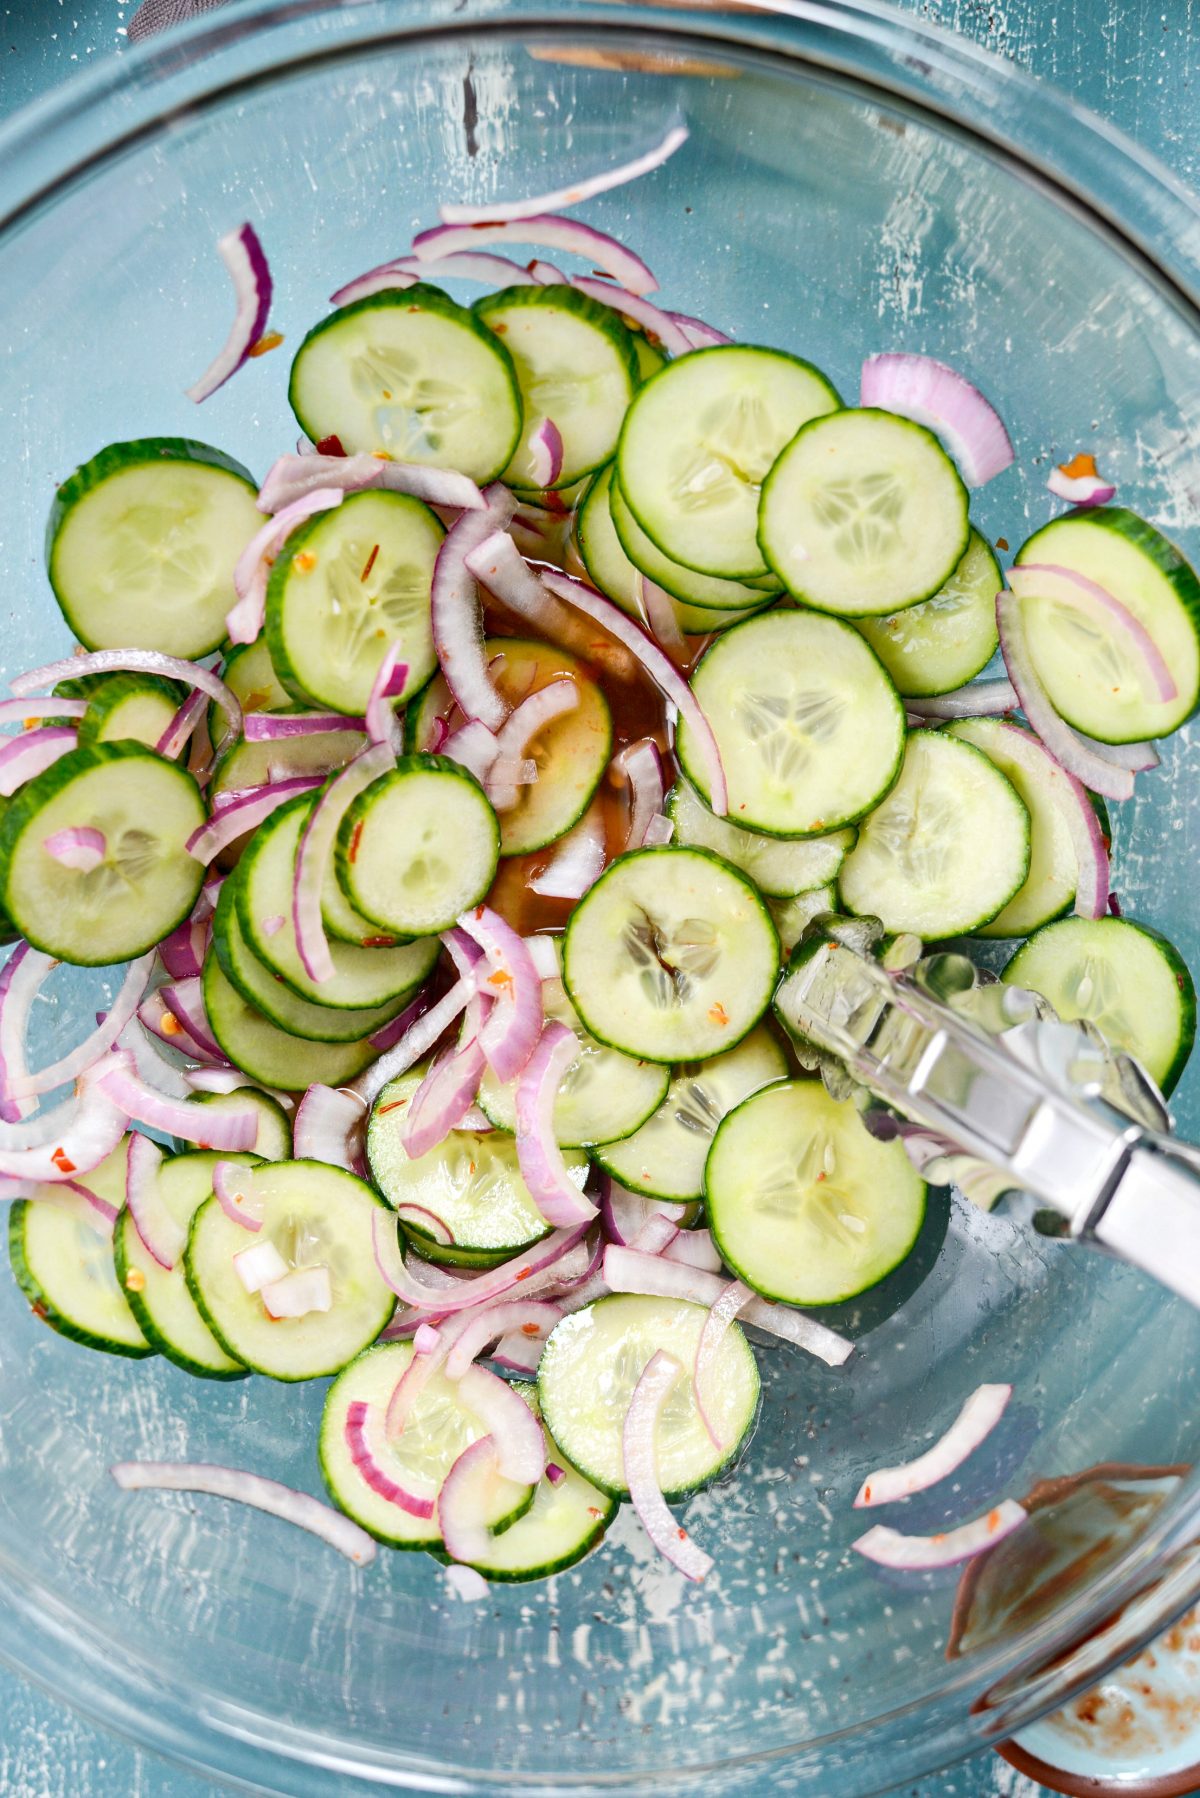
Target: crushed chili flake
393,1105
355,840
531,1329
170,1024
382,455
39,1310
866,1495
994,1516
682,1534
370,562
1082,464
62,1161
718,1015
593,1512
330,446
30,724
305,561
524,1273
270,340
135,1280
379,942
500,978
1002,543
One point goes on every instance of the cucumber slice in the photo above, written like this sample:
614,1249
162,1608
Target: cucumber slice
943,642
604,1094
135,708
1053,865
419,847
471,1184
260,987
251,678
616,551
363,978
412,374
1124,978
274,1139
142,541
649,360
575,364
863,513
440,1427
1085,670
62,1259
158,1298
147,883
803,1203
571,753
595,1358
793,916
779,867
697,445
347,925
344,588
267,1053
947,849
665,1158
316,1216
671,956
810,728
259,764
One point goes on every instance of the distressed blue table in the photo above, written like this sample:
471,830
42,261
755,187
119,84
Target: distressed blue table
1136,61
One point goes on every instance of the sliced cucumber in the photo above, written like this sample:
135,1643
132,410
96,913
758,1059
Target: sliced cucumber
439,1428
251,678
649,359
810,728
780,867
142,541
347,925
1053,864
136,708
419,847
363,978
1087,671
576,366
947,849
1124,978
571,754
863,513
316,1216
592,1363
274,1139
698,443
414,375
616,550
147,808
260,764
665,1158
158,1297
469,1189
348,585
671,956
803,1203
793,916
604,1095
264,1051
943,642
62,1258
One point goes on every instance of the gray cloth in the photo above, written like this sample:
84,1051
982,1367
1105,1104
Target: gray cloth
156,15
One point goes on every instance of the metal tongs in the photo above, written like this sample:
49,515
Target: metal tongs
994,1093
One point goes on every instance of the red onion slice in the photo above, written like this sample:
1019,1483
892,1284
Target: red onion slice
276,727
572,195
655,1235
1139,758
473,747
546,275
442,1099
660,327
203,1124
368,1450
105,1215
551,231
185,999
384,278
315,849
511,1029
78,847
250,1489
938,397
480,1289
298,1293
638,1447
460,1507
156,1016
493,271
978,699
973,1425
234,1190
243,256
659,831
888,1548
230,1080
292,478
546,454
162,1236
700,335
21,980
391,678
256,1266
628,1271
518,732
245,813
425,1339
578,860
328,1127
244,620
182,726
533,1319
1093,770
1062,586
1079,484
735,1298
623,1213
416,1042
1078,814
22,758
74,1138
640,765
662,621
72,1065
516,1432
694,1248
543,1168
456,615
420,1370
136,661
18,711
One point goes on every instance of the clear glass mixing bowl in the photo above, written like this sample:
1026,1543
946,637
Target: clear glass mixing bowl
853,181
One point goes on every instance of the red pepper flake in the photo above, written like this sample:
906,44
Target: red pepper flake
718,1015
822,1176
500,328
593,1512
62,1161
369,563
993,1519
1002,543
170,1024
1079,465
270,340
553,502
379,942
39,1310
524,1273
501,978
531,1329
682,1534
305,561
30,724
355,840
330,446
393,1105
866,1495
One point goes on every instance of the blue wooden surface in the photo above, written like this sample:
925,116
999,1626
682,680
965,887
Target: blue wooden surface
1137,62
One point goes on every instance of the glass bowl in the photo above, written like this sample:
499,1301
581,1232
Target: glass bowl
853,181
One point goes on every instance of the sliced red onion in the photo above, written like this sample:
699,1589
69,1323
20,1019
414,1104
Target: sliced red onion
298,1293
183,724
1139,758
572,195
79,847
315,849
518,1436
1079,484
185,998
250,1489
531,717
156,1016
978,699
554,1473
255,1267
275,727
623,1213
460,1513
493,271
244,620
203,1124
368,1450
292,478
17,711
419,1372
662,621
1078,814
162,1236
639,1451
72,1139
231,1080
628,1271
660,830
106,1215
456,615
888,1548
442,1099
511,1029
546,454
1093,770
414,1044
533,1319
442,1301
328,1127
136,661
421,1218
660,327
552,231
476,1121
391,677
735,1298
973,1425
70,1066
655,1235
425,1339
473,747
700,335
232,1184
389,1034
21,980
245,813
666,678
382,279
546,275
694,1248
543,1168
938,397
518,1354
466,1583
243,256
640,764
577,862
24,757
1063,586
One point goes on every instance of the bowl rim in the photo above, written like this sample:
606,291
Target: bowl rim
1088,166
